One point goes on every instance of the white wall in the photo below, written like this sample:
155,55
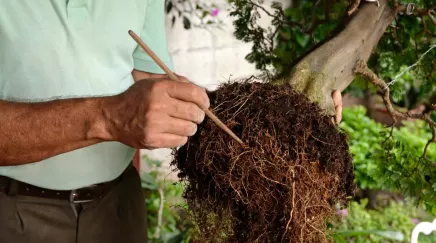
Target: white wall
208,57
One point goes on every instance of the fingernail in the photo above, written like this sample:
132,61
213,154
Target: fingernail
195,131
201,118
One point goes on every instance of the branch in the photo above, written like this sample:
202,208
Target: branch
189,11
361,68
279,17
330,66
283,21
412,9
261,7
159,215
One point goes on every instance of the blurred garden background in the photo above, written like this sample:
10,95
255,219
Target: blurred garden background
213,41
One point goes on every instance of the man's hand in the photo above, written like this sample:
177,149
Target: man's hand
155,113
152,113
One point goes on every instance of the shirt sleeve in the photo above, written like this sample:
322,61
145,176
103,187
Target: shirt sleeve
153,33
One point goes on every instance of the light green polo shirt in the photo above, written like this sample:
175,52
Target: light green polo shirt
56,49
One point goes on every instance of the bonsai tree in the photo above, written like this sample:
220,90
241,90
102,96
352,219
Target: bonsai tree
383,47
294,165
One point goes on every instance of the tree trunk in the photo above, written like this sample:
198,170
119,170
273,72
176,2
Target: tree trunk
331,66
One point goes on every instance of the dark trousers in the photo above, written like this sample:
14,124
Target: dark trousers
118,217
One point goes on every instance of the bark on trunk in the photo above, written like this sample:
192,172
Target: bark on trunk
330,67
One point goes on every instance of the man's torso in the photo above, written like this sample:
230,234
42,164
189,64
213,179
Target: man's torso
55,49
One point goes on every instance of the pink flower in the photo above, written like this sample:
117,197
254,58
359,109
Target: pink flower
215,12
415,221
343,213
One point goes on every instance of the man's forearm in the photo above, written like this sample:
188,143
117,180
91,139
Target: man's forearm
31,132
153,113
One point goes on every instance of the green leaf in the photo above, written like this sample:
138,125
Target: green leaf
169,6
173,21
338,238
186,23
302,39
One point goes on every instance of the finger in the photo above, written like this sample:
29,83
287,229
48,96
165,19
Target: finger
178,127
190,93
186,111
337,98
338,114
183,79
166,140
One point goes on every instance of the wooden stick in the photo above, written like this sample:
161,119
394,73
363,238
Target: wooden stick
175,78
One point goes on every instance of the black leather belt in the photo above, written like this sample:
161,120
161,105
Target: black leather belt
83,195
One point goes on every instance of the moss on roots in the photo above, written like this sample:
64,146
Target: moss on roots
282,186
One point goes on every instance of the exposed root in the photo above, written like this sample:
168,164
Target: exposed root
281,187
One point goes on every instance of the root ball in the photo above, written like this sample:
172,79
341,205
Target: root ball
283,185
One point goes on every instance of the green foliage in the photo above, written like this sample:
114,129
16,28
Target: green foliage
192,14
365,145
404,42
307,25
392,224
402,168
247,14
301,27
392,163
294,30
176,226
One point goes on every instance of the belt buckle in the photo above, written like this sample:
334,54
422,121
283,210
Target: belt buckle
73,200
